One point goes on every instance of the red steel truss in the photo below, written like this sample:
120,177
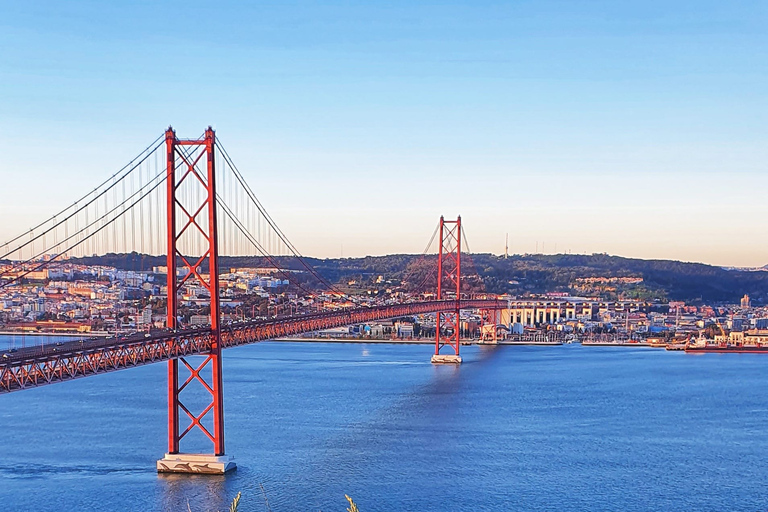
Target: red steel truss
36,366
490,317
448,323
195,221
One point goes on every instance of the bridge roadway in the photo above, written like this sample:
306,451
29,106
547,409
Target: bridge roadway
36,366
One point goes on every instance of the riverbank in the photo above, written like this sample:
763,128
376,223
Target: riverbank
409,341
616,344
358,340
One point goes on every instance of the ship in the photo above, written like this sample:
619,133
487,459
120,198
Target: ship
726,348
727,344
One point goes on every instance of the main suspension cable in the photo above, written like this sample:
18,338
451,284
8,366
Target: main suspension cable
131,166
87,238
271,221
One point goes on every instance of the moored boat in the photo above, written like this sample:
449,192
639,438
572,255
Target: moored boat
727,348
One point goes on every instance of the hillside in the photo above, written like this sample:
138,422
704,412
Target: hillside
597,274
662,279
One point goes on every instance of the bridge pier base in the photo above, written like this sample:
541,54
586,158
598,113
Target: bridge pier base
196,463
446,359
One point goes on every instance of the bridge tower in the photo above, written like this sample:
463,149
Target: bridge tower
448,325
489,325
193,242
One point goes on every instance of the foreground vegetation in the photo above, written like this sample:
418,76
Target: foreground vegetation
233,507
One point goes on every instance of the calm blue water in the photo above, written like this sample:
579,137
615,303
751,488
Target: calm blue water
566,428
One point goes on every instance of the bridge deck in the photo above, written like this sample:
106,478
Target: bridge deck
36,366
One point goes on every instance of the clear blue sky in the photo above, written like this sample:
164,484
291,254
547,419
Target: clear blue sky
633,128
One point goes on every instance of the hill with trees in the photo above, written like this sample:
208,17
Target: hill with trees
597,274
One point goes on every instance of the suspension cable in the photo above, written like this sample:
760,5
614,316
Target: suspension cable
256,243
149,150
89,225
88,237
271,222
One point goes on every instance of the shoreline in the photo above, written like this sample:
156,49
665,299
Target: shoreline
294,339
533,343
616,344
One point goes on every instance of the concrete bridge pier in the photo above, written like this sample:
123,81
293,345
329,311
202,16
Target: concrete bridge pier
197,463
446,359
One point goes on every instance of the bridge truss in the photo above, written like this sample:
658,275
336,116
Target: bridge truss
38,366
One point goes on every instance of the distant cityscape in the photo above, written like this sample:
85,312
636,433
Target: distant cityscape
69,297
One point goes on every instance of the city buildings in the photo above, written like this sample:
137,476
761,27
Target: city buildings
76,298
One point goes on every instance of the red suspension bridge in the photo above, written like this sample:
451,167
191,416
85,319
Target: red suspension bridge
186,199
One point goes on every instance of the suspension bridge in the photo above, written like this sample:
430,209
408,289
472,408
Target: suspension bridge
186,199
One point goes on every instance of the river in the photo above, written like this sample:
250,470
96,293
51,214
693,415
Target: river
518,428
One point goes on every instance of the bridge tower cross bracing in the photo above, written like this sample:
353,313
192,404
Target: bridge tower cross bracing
192,223
489,325
448,325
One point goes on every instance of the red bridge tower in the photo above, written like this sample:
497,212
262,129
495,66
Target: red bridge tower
191,212
448,325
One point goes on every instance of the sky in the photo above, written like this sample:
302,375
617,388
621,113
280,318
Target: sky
631,128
